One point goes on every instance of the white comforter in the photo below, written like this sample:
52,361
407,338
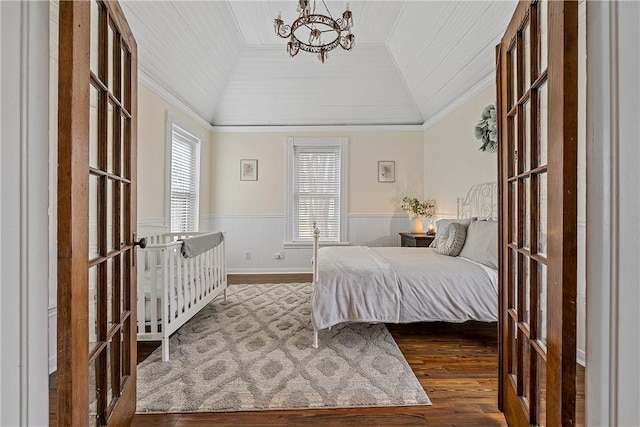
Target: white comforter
400,285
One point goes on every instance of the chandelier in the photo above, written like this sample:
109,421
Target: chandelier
316,33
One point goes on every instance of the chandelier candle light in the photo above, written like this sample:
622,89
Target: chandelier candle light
308,30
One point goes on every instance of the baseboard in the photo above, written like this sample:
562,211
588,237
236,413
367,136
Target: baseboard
581,357
269,271
53,355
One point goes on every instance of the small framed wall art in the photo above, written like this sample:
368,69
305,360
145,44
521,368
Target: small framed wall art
248,170
386,171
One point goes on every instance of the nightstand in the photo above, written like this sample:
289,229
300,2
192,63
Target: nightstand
419,240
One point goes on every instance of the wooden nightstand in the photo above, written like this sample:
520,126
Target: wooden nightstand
419,240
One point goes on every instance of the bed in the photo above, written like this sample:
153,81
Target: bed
405,285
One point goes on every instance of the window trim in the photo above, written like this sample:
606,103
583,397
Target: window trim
340,142
171,121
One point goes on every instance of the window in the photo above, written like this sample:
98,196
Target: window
183,155
316,189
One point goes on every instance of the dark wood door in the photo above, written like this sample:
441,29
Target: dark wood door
96,215
537,108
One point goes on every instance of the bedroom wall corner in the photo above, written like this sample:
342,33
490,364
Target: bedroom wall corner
152,116
452,161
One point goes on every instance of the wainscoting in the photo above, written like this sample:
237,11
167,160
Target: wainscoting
254,240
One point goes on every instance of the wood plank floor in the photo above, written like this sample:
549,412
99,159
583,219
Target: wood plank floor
455,363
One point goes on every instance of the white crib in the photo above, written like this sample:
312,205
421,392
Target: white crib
172,289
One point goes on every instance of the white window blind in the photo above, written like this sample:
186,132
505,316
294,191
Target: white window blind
184,180
317,190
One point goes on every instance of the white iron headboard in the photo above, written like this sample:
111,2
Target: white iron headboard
481,202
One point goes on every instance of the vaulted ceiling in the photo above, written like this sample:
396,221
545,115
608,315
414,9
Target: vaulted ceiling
412,59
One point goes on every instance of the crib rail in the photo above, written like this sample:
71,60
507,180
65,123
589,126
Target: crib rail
172,289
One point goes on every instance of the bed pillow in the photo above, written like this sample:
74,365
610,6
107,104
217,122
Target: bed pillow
442,229
455,240
481,244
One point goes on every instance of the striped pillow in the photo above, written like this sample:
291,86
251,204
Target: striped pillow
452,245
442,229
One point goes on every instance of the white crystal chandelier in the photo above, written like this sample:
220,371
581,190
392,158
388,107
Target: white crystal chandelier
314,32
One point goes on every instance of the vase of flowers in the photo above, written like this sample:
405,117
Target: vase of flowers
418,210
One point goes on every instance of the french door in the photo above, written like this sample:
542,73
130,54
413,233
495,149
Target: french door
96,215
537,108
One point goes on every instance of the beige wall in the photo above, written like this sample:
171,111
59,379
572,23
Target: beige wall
152,116
267,195
442,163
222,192
452,161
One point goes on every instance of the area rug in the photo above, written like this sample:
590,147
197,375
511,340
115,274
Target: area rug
254,352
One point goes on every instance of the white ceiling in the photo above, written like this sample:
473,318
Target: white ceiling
412,59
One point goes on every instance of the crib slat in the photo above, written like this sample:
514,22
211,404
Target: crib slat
211,270
215,266
153,293
196,275
191,276
203,274
169,286
180,283
175,260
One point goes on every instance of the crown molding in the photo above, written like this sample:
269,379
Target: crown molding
160,90
321,128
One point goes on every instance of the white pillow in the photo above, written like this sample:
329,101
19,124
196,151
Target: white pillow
454,243
442,229
481,244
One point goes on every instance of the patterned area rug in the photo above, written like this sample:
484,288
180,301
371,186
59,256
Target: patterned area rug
254,353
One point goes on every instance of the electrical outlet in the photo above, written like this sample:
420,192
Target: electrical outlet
281,254
247,255
278,255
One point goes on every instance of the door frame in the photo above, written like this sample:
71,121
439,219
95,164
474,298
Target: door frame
613,342
24,248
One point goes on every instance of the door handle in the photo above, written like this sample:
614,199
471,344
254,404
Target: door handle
142,243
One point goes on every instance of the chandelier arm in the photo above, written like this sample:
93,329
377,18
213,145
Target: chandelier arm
344,25
284,31
310,27
328,31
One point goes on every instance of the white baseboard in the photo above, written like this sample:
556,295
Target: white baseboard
269,271
581,358
53,320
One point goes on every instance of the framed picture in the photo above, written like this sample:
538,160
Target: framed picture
248,170
386,171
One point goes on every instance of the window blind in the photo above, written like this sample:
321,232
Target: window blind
184,182
316,192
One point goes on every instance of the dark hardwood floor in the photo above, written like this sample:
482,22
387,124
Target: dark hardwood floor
455,363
